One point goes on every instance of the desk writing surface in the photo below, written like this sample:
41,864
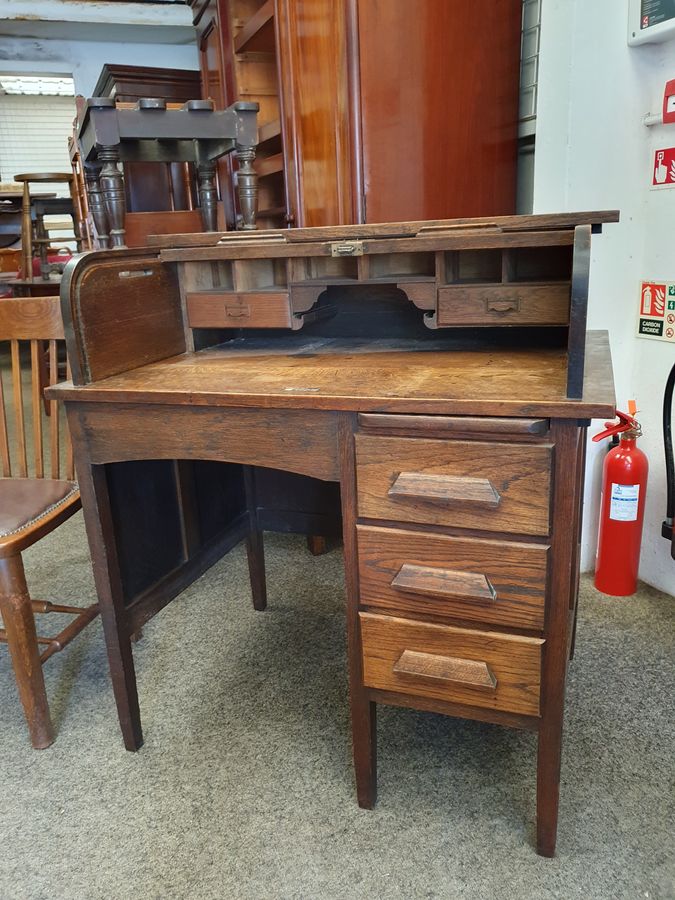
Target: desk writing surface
366,375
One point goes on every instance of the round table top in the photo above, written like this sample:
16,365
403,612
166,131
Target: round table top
53,177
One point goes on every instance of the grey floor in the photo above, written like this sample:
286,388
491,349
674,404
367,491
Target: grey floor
244,787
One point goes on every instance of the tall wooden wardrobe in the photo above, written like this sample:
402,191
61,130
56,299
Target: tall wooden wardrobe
370,110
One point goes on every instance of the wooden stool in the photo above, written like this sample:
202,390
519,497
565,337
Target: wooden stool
38,209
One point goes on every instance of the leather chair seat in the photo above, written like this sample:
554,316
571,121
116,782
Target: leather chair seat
25,502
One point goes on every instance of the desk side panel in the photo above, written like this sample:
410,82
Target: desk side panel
121,310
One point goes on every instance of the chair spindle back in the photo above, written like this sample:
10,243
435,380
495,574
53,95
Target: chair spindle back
35,321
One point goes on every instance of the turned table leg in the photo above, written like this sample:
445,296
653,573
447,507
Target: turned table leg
26,235
111,180
247,187
97,206
19,623
206,174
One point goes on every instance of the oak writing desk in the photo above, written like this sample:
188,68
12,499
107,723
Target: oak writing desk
207,364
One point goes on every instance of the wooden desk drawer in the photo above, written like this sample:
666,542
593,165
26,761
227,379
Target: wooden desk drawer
503,304
232,309
467,484
476,668
474,579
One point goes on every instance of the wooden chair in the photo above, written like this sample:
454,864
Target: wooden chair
32,504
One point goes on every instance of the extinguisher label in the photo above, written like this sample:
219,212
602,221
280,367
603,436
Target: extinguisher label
623,505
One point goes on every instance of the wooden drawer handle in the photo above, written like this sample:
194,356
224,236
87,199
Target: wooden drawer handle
445,490
238,312
465,672
444,583
502,306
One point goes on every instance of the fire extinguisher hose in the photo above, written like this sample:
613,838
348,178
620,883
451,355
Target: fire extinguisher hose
668,443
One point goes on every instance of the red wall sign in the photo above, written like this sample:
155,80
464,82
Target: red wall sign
663,169
653,299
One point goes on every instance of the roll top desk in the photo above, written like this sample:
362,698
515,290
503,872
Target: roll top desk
425,387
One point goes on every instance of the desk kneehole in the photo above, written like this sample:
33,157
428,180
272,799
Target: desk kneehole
475,668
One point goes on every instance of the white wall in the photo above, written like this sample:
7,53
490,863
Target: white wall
85,59
593,152
34,133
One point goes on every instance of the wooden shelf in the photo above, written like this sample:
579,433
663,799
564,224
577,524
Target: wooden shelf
257,35
269,130
270,165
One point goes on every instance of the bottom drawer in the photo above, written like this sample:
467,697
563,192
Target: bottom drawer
476,668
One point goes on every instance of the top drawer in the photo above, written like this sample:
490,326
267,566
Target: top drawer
465,484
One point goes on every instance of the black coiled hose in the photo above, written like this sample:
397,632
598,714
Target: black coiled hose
668,443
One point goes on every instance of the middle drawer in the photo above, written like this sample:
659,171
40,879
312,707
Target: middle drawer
477,580
466,484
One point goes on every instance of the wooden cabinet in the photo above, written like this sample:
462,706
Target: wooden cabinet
370,110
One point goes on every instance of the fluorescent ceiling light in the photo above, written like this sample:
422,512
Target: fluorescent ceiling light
49,85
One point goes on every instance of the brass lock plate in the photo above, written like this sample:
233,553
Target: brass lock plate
346,248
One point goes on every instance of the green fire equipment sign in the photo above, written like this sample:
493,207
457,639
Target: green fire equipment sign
656,311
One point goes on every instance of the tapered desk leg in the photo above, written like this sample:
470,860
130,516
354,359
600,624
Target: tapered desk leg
118,637
255,551
317,544
255,545
548,786
363,710
116,625
567,486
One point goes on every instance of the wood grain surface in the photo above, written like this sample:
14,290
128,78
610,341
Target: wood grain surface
520,474
292,440
409,229
497,304
514,660
232,309
515,570
447,669
367,376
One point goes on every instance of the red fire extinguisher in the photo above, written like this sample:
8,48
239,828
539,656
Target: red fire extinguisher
622,508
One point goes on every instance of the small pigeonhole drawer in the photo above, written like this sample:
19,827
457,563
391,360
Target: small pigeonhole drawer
499,304
458,665
466,578
466,484
239,309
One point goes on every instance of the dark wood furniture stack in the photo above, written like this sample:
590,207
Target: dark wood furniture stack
438,374
150,187
153,131
370,110
32,504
